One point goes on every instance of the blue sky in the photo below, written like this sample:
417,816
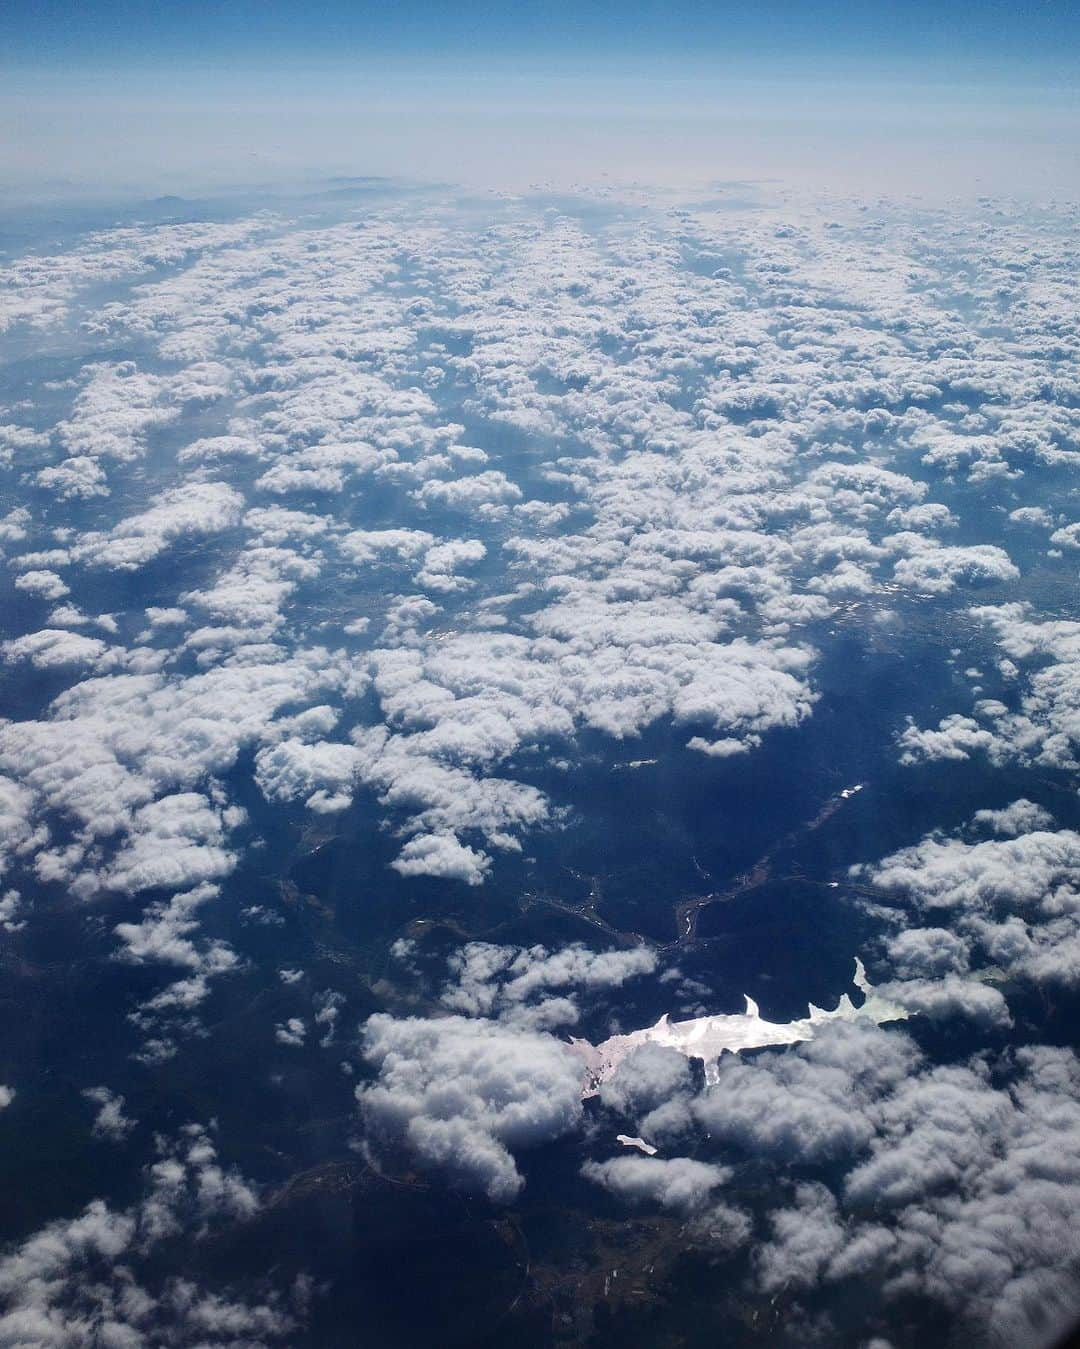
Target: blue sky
119,95
1008,38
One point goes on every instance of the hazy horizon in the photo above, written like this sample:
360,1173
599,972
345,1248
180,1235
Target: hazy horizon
910,99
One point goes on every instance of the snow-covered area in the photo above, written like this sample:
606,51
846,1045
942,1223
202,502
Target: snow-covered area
707,1037
628,1142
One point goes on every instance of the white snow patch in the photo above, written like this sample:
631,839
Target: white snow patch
707,1037
628,1142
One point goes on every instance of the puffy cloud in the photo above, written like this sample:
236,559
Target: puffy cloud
805,1239
501,980
441,563
443,856
56,647
19,835
928,952
11,909
80,476
321,468
957,1188
1021,817
474,699
802,1105
292,1032
194,510
166,934
1067,537
699,530
15,439
322,774
446,800
1032,515
98,1278
950,997
162,618
946,873
725,748
13,525
365,545
647,1079
464,1095
1012,901
928,515
1046,729
738,457
250,594
677,1183
41,288
111,746
328,1005
491,488
938,570
110,1121
172,843
211,449
45,585
115,411
957,737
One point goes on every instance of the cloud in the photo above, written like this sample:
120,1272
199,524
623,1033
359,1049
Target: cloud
1010,901
938,570
100,1277
292,1032
167,934
487,489
110,1122
960,1191
1021,817
111,746
44,585
463,1096
802,1105
1044,729
928,952
173,843
712,443
18,834
194,511
677,1183
441,855
513,982
647,1079
948,998
805,1239
948,874
365,545
50,648
43,287
956,738
695,538
441,562
321,774
79,476
115,411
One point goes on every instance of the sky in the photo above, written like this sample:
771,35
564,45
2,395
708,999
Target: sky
919,97
120,35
